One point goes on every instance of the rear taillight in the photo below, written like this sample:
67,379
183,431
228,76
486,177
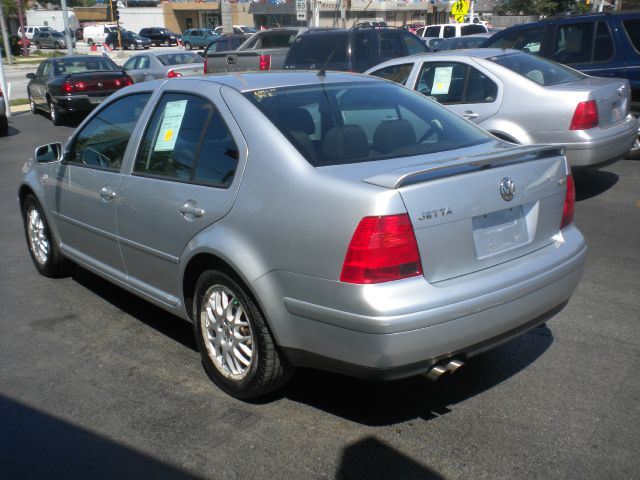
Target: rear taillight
67,87
127,81
585,116
172,74
205,64
80,86
569,203
382,249
265,62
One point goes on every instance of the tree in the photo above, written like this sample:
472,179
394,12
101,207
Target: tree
9,7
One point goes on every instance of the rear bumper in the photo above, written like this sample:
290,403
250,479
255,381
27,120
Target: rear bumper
463,316
586,149
78,103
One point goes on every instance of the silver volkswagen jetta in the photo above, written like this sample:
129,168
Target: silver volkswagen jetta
336,221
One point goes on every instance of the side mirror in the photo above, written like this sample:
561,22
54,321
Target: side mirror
48,153
31,75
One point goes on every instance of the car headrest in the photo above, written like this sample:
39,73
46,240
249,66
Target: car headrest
296,119
393,134
348,142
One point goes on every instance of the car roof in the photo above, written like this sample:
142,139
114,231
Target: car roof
247,82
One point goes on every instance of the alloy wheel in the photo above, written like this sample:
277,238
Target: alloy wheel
226,332
38,241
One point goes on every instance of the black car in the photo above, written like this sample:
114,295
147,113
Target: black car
160,36
73,84
354,50
130,41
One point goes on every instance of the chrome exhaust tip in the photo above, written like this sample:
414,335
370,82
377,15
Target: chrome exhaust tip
436,372
455,366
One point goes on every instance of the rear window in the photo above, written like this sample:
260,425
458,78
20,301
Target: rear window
82,65
179,58
527,39
542,71
280,40
317,49
343,123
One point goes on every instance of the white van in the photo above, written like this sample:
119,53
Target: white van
448,30
30,30
97,33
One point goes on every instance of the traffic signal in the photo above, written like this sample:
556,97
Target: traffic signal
115,15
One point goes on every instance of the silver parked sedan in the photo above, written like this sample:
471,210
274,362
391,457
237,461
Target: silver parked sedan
526,99
155,65
334,221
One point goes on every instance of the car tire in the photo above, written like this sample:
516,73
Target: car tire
32,105
38,45
167,43
4,125
54,114
187,46
43,246
238,352
132,46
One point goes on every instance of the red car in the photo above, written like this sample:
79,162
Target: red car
412,27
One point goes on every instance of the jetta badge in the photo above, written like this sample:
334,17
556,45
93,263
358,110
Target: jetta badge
507,189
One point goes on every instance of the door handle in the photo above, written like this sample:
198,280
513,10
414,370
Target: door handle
190,211
469,114
107,194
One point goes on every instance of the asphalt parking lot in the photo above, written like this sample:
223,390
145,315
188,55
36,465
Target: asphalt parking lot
96,383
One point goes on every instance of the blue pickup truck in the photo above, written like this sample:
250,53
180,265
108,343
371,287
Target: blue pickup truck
598,44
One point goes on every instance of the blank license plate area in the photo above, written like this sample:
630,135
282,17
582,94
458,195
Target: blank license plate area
499,231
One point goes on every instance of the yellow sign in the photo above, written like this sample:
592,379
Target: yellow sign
459,10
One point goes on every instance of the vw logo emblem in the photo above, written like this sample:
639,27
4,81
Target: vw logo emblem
100,85
507,189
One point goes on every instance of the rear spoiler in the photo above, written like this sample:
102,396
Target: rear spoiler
459,165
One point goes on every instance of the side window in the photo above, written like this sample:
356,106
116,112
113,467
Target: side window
187,140
432,32
390,46
632,27
443,81
527,39
143,62
480,88
395,73
40,71
47,69
129,64
574,43
449,31
362,44
604,44
102,142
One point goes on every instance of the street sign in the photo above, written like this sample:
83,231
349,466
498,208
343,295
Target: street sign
301,10
459,10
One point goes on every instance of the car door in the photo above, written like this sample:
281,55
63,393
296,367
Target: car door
38,86
182,181
465,89
138,68
87,182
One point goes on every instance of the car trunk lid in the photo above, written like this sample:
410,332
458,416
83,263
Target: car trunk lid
464,216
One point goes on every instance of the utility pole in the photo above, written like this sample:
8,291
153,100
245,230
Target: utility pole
25,51
5,37
65,23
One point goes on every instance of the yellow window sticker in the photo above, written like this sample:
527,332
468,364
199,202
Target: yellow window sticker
171,122
441,80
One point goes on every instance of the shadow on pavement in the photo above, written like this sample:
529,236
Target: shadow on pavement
37,445
592,183
11,132
388,403
169,325
370,459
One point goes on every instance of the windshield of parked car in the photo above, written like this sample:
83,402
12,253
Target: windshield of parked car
342,123
179,58
83,65
540,70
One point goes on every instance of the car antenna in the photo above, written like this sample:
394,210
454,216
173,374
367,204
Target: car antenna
323,71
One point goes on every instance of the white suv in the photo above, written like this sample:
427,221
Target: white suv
29,31
448,30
